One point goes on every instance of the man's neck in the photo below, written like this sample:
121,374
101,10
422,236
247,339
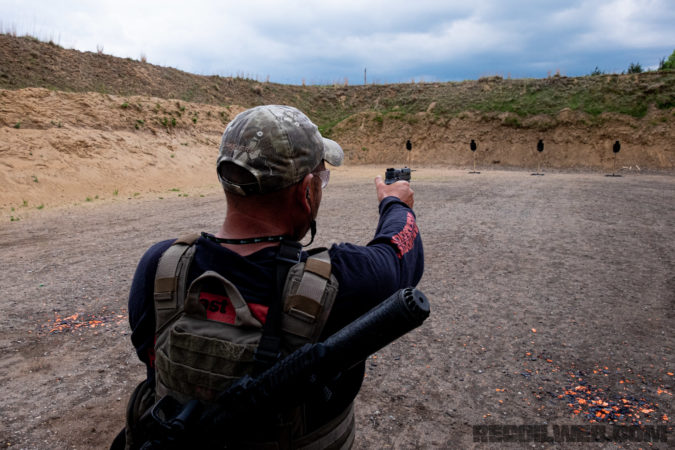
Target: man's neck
243,226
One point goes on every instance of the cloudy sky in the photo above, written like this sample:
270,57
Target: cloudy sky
328,41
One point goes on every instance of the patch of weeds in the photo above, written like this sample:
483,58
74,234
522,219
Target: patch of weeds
512,122
174,190
25,203
57,124
17,125
665,102
125,105
379,119
14,219
40,206
136,194
364,149
116,192
168,123
194,119
34,178
161,198
139,123
173,155
12,209
88,199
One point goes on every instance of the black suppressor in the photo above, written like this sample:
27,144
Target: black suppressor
291,380
287,380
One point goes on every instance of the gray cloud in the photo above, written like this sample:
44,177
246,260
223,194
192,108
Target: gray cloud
331,40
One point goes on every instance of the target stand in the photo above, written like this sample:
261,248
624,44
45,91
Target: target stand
540,148
615,149
473,147
538,173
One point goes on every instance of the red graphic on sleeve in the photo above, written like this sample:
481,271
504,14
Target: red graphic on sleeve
405,239
220,309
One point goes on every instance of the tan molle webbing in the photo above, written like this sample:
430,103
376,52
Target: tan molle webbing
170,278
308,297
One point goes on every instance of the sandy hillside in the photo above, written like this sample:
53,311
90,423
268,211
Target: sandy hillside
82,127
571,142
61,148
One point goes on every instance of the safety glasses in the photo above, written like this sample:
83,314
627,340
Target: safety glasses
324,175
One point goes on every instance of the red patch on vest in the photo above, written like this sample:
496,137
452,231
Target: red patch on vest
259,311
219,308
405,239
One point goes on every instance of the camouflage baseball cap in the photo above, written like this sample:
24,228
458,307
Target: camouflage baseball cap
267,148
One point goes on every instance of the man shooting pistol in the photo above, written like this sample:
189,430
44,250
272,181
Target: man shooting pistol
212,313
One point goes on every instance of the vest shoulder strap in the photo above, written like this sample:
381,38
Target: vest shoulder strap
172,269
309,295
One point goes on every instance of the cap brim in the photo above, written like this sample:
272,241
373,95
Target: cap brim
332,152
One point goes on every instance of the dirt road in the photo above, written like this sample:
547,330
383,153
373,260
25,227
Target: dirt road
552,303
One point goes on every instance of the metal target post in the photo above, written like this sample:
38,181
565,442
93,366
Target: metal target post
473,148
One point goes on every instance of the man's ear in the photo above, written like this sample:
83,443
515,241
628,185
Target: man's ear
304,192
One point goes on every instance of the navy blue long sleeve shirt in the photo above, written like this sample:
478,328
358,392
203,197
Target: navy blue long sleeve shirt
367,275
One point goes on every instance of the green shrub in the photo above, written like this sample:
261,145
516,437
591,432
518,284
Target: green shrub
668,64
635,68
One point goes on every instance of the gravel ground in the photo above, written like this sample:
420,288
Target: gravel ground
552,304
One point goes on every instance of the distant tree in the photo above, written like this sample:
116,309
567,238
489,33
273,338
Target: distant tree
635,68
668,64
597,71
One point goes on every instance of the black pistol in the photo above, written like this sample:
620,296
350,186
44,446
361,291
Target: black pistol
393,175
